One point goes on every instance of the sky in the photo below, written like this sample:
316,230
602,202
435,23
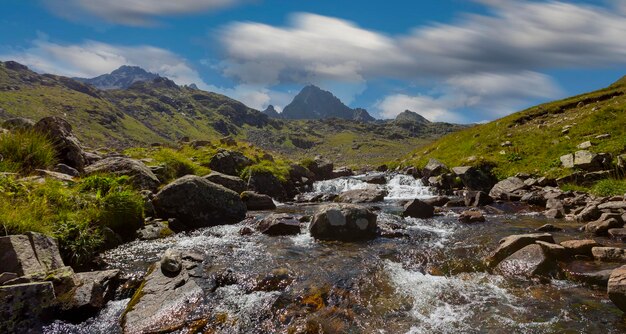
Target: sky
460,61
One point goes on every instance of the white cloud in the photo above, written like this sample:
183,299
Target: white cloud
93,58
435,110
133,12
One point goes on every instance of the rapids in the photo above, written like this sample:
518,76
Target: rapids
431,281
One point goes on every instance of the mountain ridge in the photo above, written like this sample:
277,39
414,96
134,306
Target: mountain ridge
313,102
121,78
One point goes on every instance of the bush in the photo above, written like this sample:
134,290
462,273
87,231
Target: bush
177,165
79,241
609,187
24,151
102,184
122,211
278,169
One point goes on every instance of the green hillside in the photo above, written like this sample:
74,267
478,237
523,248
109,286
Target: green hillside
538,136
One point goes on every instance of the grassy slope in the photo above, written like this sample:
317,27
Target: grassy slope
537,135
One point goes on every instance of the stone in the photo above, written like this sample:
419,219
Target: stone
513,243
197,203
93,290
617,205
609,254
475,179
156,229
48,174
434,167
279,224
342,172
375,179
229,162
257,202
554,214
357,196
322,169
29,254
617,288
606,222
508,186
534,198
529,261
588,272
554,251
18,124
343,222
477,198
67,145
585,145
548,228
162,303
418,209
23,306
233,183
469,217
437,201
589,213
618,233
603,136
140,175
579,247
264,182
67,170
567,161
171,262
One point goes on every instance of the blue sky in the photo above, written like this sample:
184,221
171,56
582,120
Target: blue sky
450,60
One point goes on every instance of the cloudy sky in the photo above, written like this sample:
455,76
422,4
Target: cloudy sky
449,60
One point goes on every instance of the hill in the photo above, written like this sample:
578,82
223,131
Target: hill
121,78
314,103
533,140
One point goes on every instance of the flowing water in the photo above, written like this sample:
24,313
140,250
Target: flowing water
430,281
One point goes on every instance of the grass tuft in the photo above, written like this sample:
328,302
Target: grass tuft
24,151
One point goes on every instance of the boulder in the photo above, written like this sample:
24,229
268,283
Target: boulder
344,222
529,261
437,201
548,228
23,307
477,198
29,254
513,243
197,203
555,209
18,124
229,162
567,161
171,262
91,292
618,233
504,188
434,167
606,222
264,182
322,169
140,175
609,254
67,145
368,195
579,247
617,288
418,209
342,172
554,251
375,179
279,224
589,213
255,201
589,161
469,217
233,183
300,175
613,206
155,229
474,178
67,170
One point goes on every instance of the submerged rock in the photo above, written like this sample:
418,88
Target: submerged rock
344,222
255,201
279,224
197,203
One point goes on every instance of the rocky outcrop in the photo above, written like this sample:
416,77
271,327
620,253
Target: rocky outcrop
357,196
229,162
504,189
255,201
418,209
233,183
197,203
264,182
321,168
617,288
140,175
279,224
59,131
344,222
474,178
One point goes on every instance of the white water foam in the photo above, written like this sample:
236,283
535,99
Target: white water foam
336,186
106,322
406,187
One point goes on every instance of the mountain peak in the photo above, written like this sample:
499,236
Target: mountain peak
121,78
315,103
271,112
409,116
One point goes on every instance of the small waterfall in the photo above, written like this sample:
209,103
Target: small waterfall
406,187
337,186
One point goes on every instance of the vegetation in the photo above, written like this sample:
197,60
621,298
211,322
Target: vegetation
25,151
603,188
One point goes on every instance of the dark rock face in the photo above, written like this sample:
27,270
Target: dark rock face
315,103
29,254
434,167
474,178
503,189
229,162
375,179
418,209
513,243
16,301
67,145
122,78
528,261
255,201
197,203
370,195
617,288
343,222
268,184
140,175
233,183
279,224
322,169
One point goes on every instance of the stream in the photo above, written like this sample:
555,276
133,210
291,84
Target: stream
430,281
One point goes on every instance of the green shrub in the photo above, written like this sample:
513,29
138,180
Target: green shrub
24,151
278,169
177,164
122,211
102,184
609,187
78,241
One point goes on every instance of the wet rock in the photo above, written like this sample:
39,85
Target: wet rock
618,233
588,272
609,254
344,222
548,228
67,170
29,254
434,167
606,222
67,145
140,175
475,179
553,251
579,247
171,262
513,243
156,229
23,307
255,201
617,288
342,172
91,292
437,201
279,224
322,169
528,261
162,303
368,195
469,217
18,124
266,183
229,162
503,189
233,183
278,280
198,203
375,179
589,213
418,209
477,198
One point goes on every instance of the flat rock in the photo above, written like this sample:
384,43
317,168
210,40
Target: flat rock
344,222
513,243
357,196
528,261
617,288
609,254
579,247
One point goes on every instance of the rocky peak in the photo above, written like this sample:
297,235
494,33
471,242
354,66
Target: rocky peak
408,116
315,103
271,112
121,78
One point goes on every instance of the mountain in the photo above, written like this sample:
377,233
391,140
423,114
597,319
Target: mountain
410,117
121,78
271,112
533,140
314,103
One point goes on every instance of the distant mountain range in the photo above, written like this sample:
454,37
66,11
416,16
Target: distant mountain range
122,78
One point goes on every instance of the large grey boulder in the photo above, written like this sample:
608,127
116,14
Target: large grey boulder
29,254
344,222
266,183
356,196
529,261
140,175
22,306
229,162
67,145
233,183
513,243
279,224
504,188
197,203
474,178
617,288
